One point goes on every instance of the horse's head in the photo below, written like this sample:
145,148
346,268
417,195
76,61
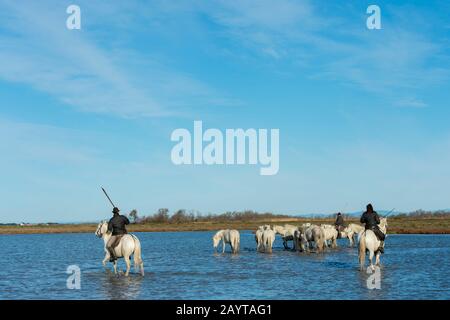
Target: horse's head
216,239
102,229
383,224
278,229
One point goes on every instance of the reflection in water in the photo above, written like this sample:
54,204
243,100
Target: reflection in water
119,287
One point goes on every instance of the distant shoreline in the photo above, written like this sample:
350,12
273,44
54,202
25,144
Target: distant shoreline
403,225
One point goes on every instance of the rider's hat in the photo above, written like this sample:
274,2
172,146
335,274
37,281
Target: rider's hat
115,210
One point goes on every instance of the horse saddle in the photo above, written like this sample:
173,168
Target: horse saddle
380,235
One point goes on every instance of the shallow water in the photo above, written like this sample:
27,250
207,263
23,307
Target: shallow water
182,265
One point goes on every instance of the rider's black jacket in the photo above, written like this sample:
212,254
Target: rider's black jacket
117,224
370,219
339,221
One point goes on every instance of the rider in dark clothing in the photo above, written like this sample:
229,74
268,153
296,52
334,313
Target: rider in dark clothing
117,226
371,220
339,223
117,223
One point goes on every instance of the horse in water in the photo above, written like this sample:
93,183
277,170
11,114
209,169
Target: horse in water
268,237
313,234
369,242
128,245
227,236
351,230
330,233
286,232
258,236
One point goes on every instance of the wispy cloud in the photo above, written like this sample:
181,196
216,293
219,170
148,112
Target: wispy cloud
81,71
339,48
411,103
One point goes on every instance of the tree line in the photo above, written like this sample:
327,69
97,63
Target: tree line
163,215
183,216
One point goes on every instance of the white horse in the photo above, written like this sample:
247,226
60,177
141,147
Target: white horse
369,241
258,238
313,234
286,233
281,231
351,231
227,236
129,245
330,233
289,234
268,237
299,240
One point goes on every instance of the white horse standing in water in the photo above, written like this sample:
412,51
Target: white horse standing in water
286,232
129,245
268,237
330,233
313,234
369,241
351,230
258,237
227,236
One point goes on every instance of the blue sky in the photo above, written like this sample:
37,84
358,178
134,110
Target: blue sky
363,114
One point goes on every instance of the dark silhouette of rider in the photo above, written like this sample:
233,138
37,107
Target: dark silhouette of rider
117,226
371,220
339,223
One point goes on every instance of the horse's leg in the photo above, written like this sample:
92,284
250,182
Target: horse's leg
127,262
106,259
142,268
371,260
115,266
377,259
223,246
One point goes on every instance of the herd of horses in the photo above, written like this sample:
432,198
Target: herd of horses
307,238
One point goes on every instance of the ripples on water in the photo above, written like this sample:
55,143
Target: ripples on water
182,265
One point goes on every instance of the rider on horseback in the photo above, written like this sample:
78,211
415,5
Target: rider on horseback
371,219
339,224
117,226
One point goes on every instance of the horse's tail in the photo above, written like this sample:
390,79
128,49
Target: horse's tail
236,244
362,250
138,263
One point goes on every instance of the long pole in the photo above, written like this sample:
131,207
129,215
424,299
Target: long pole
108,198
389,213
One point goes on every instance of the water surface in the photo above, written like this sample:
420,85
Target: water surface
182,265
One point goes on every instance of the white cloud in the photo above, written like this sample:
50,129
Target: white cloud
80,70
411,103
340,49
